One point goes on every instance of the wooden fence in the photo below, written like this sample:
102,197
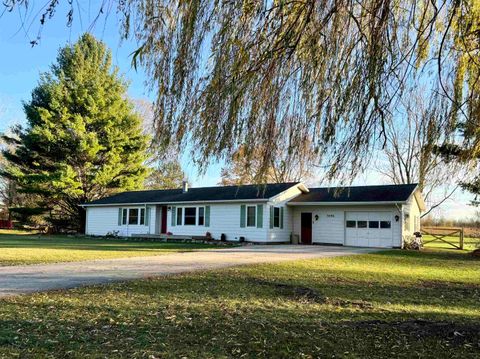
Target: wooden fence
440,234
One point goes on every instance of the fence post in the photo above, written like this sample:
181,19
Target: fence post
461,238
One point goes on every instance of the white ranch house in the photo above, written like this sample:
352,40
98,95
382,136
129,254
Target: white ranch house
363,216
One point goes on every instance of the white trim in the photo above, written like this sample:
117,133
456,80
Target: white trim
343,203
139,216
301,187
174,203
254,216
197,216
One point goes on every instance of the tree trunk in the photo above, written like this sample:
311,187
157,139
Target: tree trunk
82,215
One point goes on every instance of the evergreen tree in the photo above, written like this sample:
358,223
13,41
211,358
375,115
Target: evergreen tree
82,140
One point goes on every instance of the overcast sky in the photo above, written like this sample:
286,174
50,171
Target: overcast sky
21,64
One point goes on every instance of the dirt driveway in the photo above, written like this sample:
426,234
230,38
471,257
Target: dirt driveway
35,278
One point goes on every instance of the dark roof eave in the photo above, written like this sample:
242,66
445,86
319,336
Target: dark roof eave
173,202
339,203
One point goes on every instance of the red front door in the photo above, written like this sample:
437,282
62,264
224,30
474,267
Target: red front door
164,220
306,233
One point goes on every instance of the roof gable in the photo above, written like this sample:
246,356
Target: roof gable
199,194
383,193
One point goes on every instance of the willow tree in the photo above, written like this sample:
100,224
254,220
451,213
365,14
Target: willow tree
252,73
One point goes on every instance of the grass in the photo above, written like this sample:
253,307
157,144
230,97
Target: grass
387,304
469,243
18,248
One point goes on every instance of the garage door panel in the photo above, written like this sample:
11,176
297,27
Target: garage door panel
369,229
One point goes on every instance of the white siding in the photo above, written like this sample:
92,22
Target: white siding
330,226
102,220
411,216
224,218
282,234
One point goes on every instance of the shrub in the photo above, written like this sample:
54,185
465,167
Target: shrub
112,234
412,243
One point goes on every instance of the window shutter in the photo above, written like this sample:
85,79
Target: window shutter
242,216
259,215
174,216
271,216
281,217
120,216
147,216
207,216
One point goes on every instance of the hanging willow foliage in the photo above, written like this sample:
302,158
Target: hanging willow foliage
263,74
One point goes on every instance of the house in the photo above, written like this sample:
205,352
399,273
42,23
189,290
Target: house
365,216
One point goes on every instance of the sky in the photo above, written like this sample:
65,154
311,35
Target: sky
21,64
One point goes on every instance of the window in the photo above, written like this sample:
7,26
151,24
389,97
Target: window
373,224
133,216
251,212
190,216
142,216
124,216
179,216
362,224
385,224
276,217
201,216
351,224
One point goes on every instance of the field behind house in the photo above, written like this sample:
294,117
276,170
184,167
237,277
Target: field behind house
382,305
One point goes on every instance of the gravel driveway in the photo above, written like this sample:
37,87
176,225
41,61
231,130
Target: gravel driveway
41,277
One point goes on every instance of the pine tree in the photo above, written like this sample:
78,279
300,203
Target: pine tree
82,140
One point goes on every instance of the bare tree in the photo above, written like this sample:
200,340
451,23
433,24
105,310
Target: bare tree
286,165
164,162
409,148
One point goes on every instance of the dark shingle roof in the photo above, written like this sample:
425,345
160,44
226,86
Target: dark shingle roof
225,193
385,193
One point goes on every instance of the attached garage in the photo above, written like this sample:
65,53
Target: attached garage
369,229
366,216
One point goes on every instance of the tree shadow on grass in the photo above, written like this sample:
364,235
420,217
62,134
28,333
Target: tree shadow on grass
428,254
90,244
196,327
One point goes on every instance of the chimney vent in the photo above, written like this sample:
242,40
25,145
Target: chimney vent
184,186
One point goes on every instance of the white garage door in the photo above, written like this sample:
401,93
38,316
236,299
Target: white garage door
368,229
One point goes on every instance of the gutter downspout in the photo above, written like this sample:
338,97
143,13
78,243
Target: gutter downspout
400,209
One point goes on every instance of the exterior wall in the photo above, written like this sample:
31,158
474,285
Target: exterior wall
330,226
282,234
411,216
102,220
224,218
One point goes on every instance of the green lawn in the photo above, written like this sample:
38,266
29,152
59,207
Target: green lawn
388,304
469,244
25,248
